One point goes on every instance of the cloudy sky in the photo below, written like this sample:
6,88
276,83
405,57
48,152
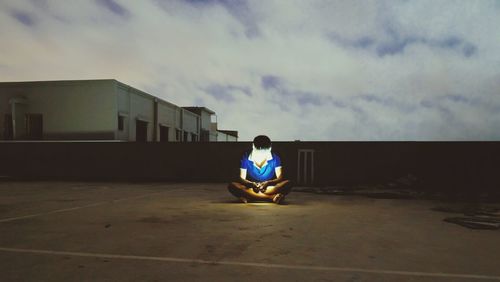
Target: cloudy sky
291,69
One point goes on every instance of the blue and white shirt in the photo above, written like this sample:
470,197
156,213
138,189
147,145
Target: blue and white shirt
266,172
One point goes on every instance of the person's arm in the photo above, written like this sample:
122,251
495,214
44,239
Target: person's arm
243,178
279,176
243,172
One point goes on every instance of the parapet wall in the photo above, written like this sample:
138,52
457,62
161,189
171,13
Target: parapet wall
437,165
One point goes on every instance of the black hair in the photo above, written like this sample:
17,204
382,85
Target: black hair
262,142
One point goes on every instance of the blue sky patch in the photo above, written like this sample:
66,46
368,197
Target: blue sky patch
24,18
114,8
226,93
238,9
269,82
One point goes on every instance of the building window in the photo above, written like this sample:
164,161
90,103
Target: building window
193,137
178,134
121,121
164,133
185,137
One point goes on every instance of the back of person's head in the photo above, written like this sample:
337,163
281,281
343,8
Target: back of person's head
262,142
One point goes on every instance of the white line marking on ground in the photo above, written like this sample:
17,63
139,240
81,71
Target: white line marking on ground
251,264
79,207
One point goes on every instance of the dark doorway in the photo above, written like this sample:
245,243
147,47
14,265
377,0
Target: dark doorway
8,133
141,131
164,133
193,137
121,123
185,139
34,126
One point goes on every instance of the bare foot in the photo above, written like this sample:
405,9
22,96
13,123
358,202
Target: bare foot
278,198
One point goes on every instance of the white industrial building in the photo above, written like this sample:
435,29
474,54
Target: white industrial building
92,110
208,127
227,135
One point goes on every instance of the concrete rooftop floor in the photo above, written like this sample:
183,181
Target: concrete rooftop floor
67,231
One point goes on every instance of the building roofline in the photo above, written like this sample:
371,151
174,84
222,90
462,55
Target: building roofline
233,133
145,93
190,113
76,81
193,108
57,81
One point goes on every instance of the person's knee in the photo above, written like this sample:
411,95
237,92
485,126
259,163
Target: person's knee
236,185
287,186
233,189
286,182
271,190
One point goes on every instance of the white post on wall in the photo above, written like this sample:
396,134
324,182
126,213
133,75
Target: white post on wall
13,102
13,117
305,172
312,166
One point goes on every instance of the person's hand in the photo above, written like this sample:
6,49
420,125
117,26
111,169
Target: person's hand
263,186
256,187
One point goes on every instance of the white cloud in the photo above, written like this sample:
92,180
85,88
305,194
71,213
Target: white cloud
430,68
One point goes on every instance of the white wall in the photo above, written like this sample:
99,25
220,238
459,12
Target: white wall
123,106
205,120
190,123
213,132
83,110
70,109
134,105
223,137
169,115
231,138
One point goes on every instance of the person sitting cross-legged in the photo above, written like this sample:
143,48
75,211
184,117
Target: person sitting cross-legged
261,175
